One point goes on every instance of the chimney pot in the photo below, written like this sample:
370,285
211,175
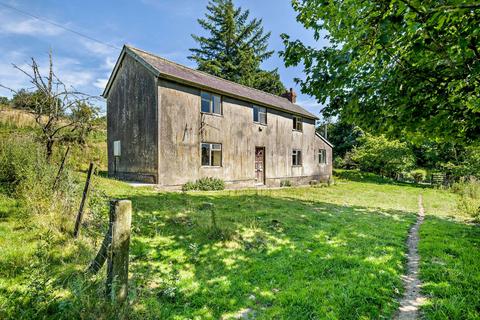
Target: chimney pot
290,95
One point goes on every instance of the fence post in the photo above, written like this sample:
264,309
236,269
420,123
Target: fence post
117,256
82,203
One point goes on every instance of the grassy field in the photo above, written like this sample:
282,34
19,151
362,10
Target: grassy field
293,253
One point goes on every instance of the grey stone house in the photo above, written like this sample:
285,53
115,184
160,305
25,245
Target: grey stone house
169,124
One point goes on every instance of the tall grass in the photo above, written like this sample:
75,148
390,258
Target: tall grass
469,191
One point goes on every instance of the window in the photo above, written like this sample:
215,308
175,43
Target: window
211,103
259,114
212,154
297,124
322,156
296,158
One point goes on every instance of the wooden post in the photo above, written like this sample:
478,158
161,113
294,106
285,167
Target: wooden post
117,263
78,222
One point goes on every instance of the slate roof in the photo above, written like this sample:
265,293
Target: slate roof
163,68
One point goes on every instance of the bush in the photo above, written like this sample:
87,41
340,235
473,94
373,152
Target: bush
382,156
285,183
469,201
204,184
418,175
27,176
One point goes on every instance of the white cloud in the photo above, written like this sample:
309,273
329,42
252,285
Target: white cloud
98,48
14,24
100,83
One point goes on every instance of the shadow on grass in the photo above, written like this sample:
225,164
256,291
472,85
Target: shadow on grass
275,257
268,256
360,176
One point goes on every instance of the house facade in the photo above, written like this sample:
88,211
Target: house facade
169,124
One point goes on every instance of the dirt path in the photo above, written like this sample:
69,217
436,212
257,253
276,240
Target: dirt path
412,298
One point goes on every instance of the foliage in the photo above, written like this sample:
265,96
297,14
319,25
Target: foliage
235,47
469,201
418,175
26,174
205,184
62,114
386,157
4,101
285,183
397,67
343,136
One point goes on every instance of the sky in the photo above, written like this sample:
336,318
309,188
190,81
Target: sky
163,27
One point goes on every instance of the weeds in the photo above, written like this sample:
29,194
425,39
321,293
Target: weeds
205,184
469,192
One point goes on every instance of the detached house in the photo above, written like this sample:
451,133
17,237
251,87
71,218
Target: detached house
169,124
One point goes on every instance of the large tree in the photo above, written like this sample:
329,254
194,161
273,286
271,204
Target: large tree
235,47
401,67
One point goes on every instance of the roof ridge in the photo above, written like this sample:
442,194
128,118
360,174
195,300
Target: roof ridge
211,75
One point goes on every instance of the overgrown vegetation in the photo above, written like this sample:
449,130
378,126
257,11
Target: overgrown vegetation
469,191
204,184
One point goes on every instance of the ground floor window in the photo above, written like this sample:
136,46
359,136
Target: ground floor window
322,156
297,158
212,154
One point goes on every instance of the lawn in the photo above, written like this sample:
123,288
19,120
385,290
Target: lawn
295,253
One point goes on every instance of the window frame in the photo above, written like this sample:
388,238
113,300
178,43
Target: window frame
254,106
210,149
296,153
211,103
322,155
296,120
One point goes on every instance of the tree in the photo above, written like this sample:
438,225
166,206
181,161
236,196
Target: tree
399,67
4,101
62,114
235,47
344,136
383,156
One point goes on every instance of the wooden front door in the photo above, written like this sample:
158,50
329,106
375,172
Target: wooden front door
260,165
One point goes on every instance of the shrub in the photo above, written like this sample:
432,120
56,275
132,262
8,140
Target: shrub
285,183
205,184
28,176
418,175
469,201
380,155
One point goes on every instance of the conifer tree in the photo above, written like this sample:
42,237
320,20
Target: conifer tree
235,47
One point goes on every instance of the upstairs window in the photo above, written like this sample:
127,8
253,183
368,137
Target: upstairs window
296,158
297,124
211,103
212,154
322,156
259,114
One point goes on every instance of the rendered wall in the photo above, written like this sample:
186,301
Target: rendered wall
132,119
183,128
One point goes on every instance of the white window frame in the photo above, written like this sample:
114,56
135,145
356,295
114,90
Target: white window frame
322,156
296,122
212,147
296,153
261,110
211,103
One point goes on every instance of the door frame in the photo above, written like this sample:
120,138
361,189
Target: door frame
263,167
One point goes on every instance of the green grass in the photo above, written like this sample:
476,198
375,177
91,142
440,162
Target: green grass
293,253
450,268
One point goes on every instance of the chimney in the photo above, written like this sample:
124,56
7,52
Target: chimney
290,95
